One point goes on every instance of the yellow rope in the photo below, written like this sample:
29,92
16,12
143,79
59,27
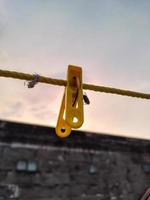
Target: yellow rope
60,82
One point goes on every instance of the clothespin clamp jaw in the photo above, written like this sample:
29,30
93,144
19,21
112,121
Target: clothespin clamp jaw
62,128
71,111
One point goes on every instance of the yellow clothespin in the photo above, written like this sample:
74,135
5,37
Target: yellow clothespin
71,111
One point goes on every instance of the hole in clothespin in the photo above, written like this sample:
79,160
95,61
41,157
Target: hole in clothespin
77,105
75,120
63,130
75,94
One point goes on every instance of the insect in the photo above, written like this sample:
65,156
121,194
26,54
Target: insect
86,99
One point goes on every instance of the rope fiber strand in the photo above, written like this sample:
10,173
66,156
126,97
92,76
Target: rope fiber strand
60,82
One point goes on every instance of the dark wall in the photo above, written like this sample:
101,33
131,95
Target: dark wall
36,165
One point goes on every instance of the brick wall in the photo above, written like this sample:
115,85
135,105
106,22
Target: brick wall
36,165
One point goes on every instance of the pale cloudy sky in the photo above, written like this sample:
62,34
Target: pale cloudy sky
110,39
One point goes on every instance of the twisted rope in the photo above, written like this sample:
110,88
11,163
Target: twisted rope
60,82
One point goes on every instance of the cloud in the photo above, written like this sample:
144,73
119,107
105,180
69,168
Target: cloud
15,110
45,115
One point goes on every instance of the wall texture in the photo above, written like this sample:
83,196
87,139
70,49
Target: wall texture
37,165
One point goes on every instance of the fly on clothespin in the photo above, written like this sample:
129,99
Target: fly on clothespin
86,99
71,112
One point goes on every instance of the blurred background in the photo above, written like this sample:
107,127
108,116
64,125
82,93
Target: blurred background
108,38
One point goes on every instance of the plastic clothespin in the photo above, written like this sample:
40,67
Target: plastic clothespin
71,112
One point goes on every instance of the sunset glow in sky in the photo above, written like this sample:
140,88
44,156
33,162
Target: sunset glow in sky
110,39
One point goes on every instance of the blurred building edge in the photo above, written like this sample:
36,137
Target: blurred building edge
36,164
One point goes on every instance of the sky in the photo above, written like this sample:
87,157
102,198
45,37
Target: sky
108,38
